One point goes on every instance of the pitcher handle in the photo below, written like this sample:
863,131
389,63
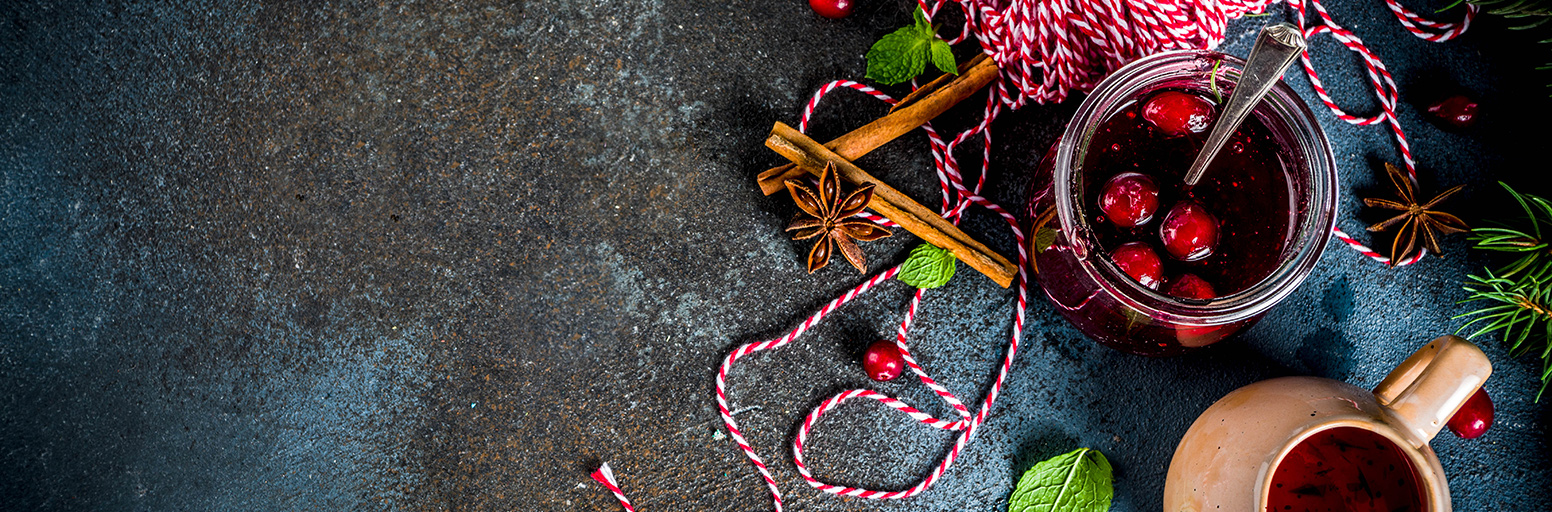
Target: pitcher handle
1426,389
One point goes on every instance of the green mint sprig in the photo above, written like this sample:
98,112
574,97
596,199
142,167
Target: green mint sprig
1213,83
901,55
927,267
1077,481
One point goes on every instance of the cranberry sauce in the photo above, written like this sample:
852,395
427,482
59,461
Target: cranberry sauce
1345,469
1229,230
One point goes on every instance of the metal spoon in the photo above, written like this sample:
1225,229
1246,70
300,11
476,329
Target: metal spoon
1276,46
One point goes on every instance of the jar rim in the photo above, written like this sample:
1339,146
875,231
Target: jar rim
1306,140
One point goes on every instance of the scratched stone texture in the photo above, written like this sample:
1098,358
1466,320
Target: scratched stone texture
426,255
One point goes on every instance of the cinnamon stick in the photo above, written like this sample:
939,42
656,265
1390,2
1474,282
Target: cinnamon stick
811,156
910,113
939,82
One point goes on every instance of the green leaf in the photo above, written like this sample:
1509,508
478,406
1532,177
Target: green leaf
927,267
943,57
899,56
1078,481
1213,83
1044,238
1136,320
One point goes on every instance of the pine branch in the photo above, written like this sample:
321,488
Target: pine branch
1526,15
1535,250
1516,8
1516,300
1519,310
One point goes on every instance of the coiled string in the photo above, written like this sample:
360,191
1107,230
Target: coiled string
1046,50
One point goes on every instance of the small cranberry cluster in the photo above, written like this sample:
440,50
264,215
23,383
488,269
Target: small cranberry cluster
1129,200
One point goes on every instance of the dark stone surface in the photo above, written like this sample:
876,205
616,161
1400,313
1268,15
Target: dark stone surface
433,255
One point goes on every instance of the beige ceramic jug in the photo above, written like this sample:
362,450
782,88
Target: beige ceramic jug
1304,440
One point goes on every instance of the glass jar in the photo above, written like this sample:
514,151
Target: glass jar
1101,300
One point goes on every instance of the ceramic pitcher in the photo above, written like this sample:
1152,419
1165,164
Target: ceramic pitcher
1230,457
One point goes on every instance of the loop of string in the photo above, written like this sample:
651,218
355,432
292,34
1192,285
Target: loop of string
957,196
1048,49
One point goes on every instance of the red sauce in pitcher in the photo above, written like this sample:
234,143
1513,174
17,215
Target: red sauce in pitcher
1345,469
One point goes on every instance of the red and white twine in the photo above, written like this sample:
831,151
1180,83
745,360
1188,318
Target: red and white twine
605,476
1048,49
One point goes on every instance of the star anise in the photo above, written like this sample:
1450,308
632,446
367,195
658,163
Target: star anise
1418,221
830,218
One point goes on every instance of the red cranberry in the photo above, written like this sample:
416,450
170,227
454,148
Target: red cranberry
883,361
1193,337
1188,286
1457,110
1129,199
1178,113
1189,232
834,9
1191,287
1138,260
1474,417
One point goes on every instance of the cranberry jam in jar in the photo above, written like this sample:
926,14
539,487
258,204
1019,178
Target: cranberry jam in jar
1144,264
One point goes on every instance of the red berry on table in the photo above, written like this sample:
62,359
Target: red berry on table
1178,113
1188,286
1474,417
1138,260
1189,232
1457,110
883,361
1129,199
834,9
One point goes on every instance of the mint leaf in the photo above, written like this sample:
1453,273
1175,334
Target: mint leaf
943,56
1045,234
1044,238
901,55
1136,319
1077,481
927,267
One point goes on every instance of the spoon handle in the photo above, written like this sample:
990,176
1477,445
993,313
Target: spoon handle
1276,47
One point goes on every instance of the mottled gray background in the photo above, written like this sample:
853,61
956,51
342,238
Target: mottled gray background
451,256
